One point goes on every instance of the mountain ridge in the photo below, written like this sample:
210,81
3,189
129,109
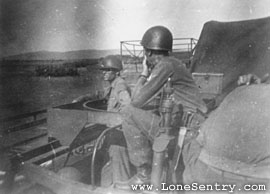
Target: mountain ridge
68,55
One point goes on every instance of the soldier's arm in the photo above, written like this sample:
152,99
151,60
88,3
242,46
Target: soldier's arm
124,97
123,94
83,98
248,79
158,78
142,78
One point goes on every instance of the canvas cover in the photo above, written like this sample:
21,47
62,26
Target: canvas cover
233,48
239,129
234,142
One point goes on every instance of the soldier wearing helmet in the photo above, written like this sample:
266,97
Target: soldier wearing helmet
118,93
118,96
142,126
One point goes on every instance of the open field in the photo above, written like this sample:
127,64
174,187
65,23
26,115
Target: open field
21,91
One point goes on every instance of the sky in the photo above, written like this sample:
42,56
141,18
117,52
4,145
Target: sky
66,25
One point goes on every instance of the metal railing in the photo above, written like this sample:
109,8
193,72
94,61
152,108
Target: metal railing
133,48
184,45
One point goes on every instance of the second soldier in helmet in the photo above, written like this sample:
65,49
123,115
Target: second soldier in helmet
118,96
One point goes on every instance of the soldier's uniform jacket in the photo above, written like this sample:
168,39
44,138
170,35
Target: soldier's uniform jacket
143,124
118,95
185,90
117,169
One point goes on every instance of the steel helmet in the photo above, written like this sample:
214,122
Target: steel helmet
111,62
157,38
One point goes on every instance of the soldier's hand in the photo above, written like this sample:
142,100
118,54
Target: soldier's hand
248,79
145,71
75,101
79,99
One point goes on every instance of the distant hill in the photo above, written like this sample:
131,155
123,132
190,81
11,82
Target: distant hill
70,55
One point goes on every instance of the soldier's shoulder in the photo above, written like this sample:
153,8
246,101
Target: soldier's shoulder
172,61
119,80
121,84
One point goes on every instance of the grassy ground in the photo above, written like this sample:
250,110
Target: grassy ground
24,92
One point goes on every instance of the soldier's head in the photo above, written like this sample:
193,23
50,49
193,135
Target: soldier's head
157,41
111,67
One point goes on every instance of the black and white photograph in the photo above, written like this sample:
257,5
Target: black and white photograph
134,96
